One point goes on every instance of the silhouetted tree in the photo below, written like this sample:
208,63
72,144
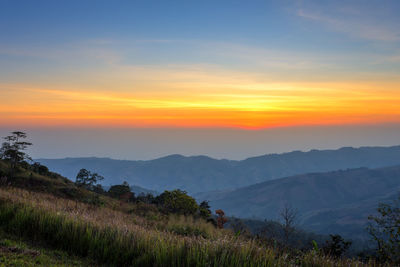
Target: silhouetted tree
385,231
204,210
336,246
13,149
288,215
87,179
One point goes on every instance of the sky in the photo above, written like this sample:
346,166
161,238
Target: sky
229,79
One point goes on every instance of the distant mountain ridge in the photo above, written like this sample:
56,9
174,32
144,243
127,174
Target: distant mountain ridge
329,202
201,173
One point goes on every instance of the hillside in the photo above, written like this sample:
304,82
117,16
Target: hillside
200,173
115,233
330,202
15,252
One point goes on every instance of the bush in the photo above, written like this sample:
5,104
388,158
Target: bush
177,201
117,190
336,247
39,168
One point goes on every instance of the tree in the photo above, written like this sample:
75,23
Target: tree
13,149
177,201
146,198
271,231
204,209
221,220
39,168
119,190
98,188
87,179
336,247
288,215
239,227
385,231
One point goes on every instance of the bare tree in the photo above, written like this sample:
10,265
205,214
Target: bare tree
288,215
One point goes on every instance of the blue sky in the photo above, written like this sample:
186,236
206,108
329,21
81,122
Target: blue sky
336,27
182,64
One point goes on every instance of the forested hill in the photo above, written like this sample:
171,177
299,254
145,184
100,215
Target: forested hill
330,202
201,173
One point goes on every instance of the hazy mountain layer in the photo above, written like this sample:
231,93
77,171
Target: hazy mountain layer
201,173
330,202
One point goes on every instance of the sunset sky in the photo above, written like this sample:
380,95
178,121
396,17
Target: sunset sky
151,69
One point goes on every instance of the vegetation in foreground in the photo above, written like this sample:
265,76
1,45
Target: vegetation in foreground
15,252
119,239
43,207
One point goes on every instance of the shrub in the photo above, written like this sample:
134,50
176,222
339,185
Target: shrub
177,201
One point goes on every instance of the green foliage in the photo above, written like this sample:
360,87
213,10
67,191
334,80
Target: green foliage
204,210
385,230
315,246
98,188
94,200
87,179
183,241
118,190
39,168
50,182
114,238
120,248
146,198
188,226
177,201
145,210
18,253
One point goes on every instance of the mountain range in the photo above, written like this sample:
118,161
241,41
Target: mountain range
333,191
201,173
329,202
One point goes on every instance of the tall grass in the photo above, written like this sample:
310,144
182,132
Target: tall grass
189,226
108,236
119,239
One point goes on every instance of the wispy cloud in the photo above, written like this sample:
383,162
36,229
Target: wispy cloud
109,63
353,25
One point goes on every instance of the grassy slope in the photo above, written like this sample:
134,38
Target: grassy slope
116,234
16,252
53,183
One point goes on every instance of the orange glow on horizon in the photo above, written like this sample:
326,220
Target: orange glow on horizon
246,105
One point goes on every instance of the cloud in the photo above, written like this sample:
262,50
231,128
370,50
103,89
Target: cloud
358,26
104,63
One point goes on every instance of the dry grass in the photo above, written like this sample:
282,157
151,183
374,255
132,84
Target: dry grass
121,239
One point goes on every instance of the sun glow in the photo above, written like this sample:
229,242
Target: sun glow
244,105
